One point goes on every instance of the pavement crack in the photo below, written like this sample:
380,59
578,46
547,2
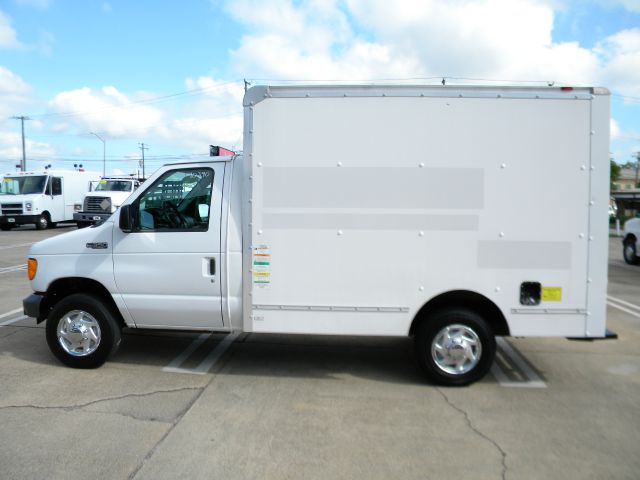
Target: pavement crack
100,400
230,353
478,432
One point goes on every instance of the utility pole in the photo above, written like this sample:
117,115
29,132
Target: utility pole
142,149
246,85
104,153
23,164
637,166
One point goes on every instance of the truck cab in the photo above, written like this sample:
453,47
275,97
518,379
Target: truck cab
104,199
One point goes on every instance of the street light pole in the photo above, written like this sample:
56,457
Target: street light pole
104,153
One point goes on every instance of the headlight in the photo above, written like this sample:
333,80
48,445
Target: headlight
77,207
28,206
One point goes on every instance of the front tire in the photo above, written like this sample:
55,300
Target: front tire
43,222
82,331
455,347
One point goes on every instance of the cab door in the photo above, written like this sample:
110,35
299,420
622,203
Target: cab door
167,267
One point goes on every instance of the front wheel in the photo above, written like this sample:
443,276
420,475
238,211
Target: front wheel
43,222
455,347
82,332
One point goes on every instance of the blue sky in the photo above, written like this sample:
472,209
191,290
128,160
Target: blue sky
170,74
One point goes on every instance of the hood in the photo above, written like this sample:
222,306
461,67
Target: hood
116,197
91,240
19,198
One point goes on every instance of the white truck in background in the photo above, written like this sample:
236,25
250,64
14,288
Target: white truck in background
41,198
631,241
105,198
488,219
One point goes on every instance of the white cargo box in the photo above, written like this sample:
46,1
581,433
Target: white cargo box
367,203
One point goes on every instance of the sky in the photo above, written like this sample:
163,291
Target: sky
103,77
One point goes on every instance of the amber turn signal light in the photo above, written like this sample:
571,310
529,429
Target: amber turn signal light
32,268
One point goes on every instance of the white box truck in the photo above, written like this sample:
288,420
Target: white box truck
41,198
105,198
449,214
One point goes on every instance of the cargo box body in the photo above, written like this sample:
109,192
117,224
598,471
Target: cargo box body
364,205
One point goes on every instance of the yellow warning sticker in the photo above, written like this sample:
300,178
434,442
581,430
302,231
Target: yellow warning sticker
551,294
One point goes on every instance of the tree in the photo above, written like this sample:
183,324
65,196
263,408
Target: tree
615,174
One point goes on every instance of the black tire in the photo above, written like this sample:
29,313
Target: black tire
43,222
629,252
52,224
471,339
81,313
82,224
5,228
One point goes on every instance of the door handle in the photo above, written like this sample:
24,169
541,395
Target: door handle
212,266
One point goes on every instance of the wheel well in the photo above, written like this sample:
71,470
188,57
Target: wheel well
629,238
471,300
64,287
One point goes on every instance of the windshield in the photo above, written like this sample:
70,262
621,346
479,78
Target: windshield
23,185
114,186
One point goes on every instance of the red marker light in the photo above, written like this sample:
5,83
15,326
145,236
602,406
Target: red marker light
566,89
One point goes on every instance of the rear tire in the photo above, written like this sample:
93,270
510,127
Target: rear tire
629,252
82,331
455,347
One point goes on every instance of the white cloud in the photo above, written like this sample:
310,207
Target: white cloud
614,128
12,84
212,115
8,36
107,110
378,39
620,54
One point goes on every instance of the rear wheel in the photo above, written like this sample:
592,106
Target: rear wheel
82,331
629,252
455,347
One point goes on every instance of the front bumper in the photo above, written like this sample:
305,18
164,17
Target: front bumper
90,217
18,219
32,306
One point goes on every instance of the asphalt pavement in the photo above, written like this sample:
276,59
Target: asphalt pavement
251,406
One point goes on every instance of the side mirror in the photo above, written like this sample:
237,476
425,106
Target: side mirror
127,220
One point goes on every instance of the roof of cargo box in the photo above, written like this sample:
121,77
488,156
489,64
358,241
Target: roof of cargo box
259,93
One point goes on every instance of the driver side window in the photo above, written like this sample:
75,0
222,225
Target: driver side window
180,200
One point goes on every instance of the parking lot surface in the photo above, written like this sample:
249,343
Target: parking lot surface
251,406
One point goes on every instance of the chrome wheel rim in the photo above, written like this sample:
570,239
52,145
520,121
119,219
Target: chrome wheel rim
456,349
79,333
629,252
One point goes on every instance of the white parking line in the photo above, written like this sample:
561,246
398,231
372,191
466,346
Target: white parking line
176,362
12,312
627,307
534,381
16,245
209,361
13,320
13,268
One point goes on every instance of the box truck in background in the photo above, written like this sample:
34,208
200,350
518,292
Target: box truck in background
42,198
488,219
